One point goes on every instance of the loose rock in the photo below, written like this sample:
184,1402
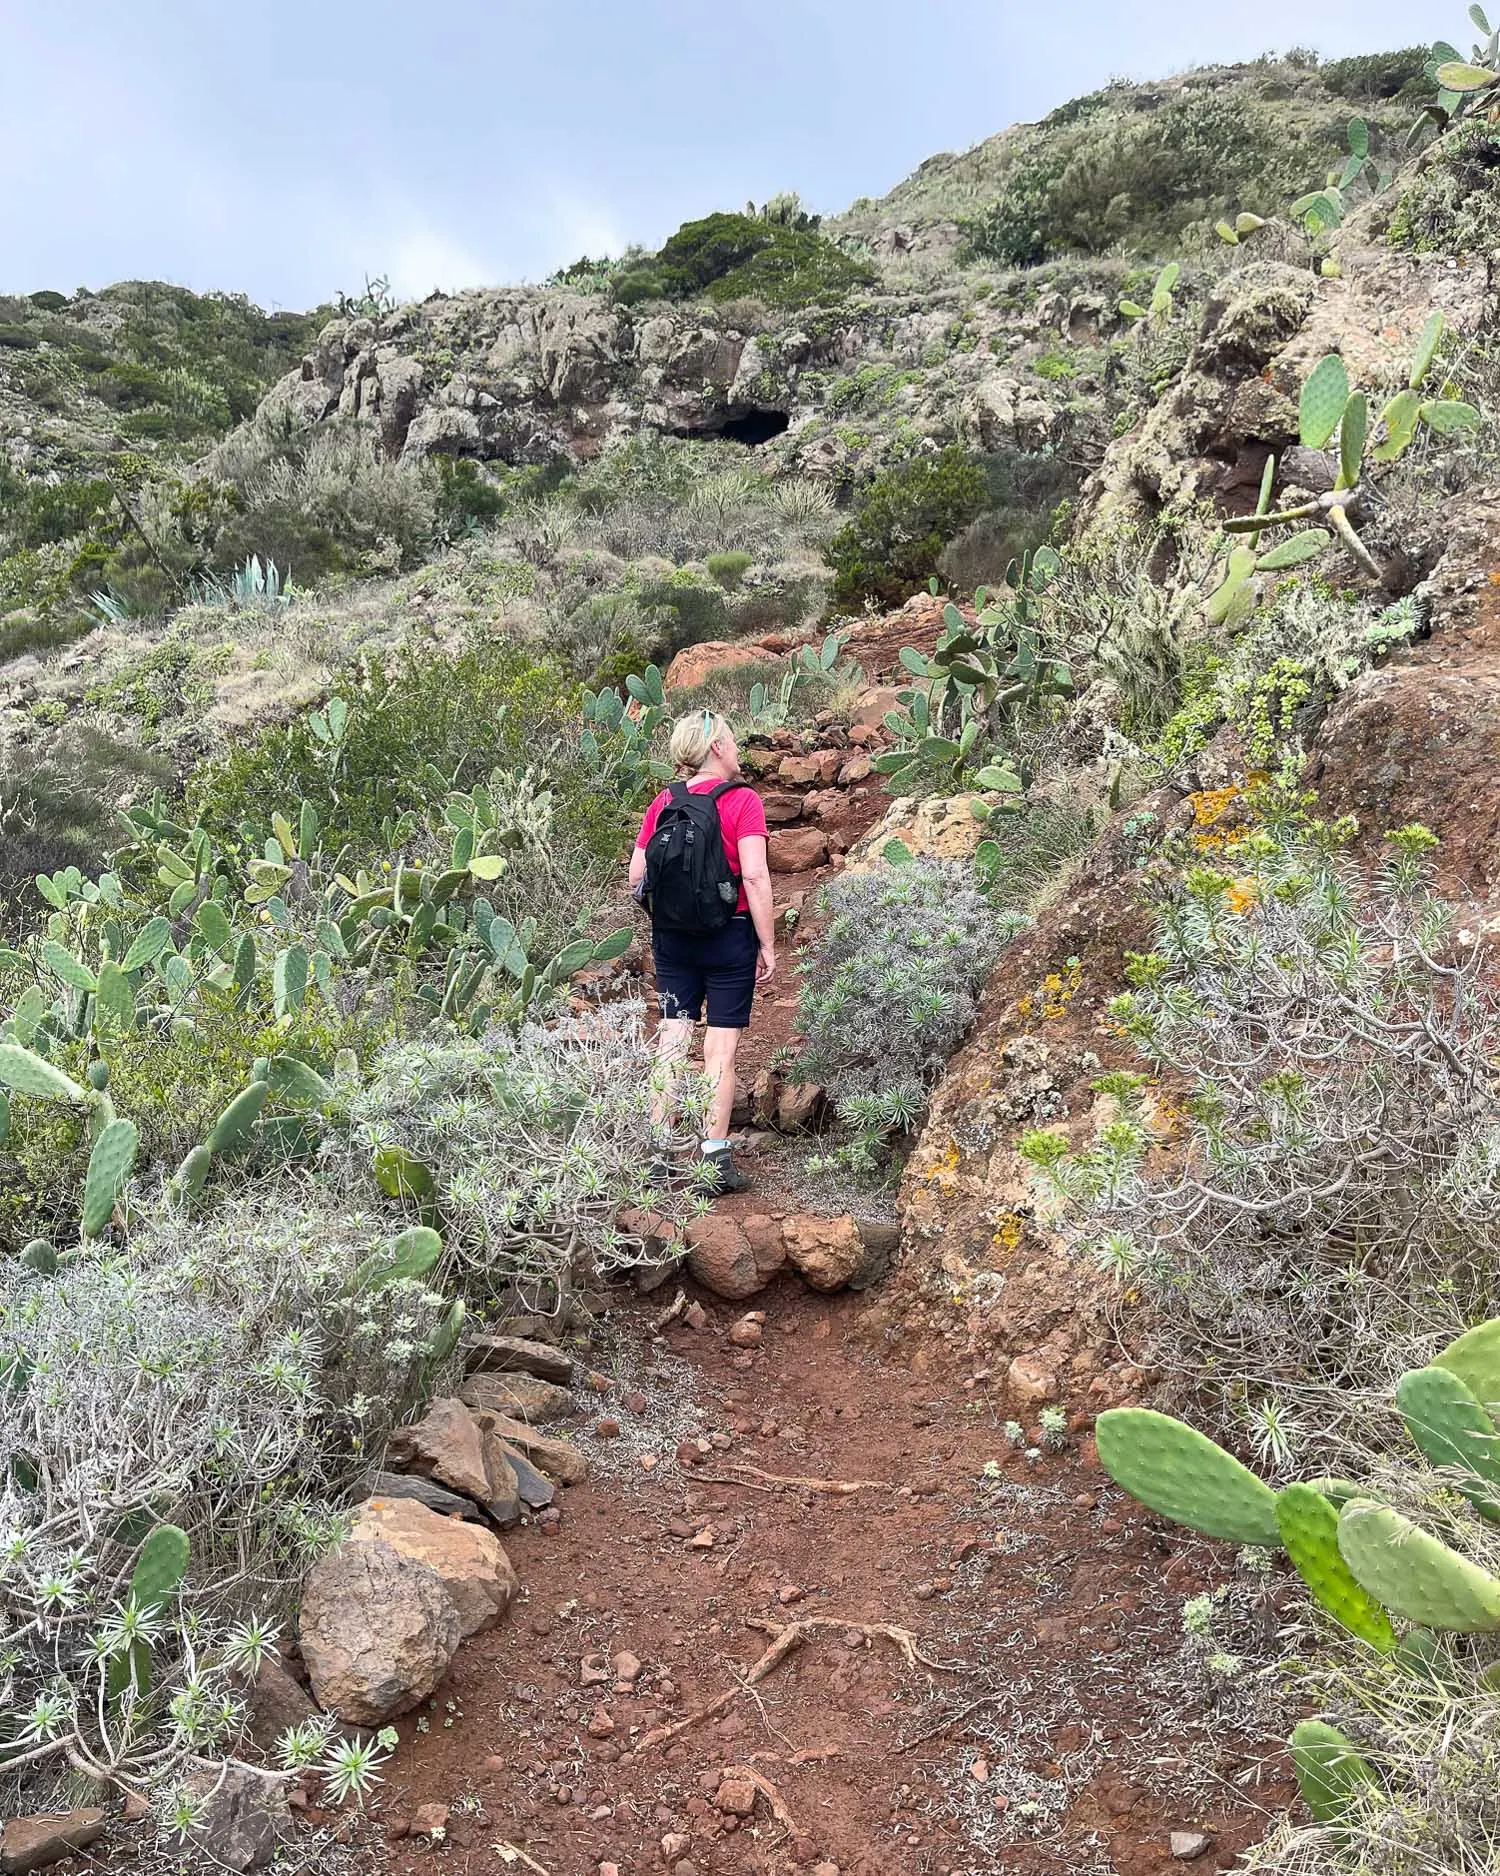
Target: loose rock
521,1396
377,1629
1188,1845
488,1354
34,1842
242,1816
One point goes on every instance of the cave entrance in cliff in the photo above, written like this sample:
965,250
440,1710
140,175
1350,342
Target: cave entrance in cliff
749,427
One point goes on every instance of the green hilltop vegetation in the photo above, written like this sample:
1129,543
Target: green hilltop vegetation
331,688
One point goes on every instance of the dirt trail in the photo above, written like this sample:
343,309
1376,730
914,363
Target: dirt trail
1059,1731
1045,1741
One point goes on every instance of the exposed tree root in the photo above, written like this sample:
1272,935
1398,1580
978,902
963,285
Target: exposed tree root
837,1488
768,1791
784,1640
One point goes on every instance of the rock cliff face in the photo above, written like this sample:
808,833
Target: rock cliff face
526,375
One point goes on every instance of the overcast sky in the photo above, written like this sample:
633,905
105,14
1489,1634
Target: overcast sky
285,148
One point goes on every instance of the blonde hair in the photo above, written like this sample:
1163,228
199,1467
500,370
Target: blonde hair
693,738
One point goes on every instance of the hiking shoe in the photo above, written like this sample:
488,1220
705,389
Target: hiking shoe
723,1175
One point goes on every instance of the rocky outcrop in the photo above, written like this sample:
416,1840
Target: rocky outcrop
1260,334
377,1629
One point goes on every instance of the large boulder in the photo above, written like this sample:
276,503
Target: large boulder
939,828
378,1629
471,1562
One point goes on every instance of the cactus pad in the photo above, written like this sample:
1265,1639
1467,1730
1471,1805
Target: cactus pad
39,1256
1475,1359
405,1258
27,1072
445,1336
1451,1428
161,1566
110,1165
191,1176
1310,1530
1331,1771
1173,1469
1324,396
1412,1573
1353,427
1296,548
231,1131
400,1175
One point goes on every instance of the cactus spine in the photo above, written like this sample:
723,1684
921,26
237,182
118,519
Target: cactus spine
1175,1470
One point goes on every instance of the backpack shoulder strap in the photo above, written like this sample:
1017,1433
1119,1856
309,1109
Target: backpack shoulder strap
723,788
677,792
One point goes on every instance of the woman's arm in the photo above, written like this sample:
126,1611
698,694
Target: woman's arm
637,866
755,872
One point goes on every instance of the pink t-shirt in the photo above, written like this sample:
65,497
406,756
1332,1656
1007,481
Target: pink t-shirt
740,815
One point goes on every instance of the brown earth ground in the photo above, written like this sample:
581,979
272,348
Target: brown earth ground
1046,1723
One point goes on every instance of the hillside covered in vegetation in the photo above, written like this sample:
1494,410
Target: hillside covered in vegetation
1094,543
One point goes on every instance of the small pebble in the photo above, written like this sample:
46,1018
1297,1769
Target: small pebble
608,1429
634,1402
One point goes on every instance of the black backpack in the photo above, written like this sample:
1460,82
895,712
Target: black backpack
690,886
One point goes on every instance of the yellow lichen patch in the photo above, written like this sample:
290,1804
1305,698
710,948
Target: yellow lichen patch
1059,988
1008,1234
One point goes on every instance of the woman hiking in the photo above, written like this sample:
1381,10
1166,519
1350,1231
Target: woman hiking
700,866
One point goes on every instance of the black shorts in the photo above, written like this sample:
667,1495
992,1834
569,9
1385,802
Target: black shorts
722,964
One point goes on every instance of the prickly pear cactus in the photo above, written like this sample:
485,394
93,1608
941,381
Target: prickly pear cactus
1475,1359
39,1256
445,1337
1310,1530
1176,1470
1331,1771
161,1566
1420,1656
110,1166
27,1073
407,1257
401,1176
1452,1429
1411,1572
191,1176
232,1130
157,1576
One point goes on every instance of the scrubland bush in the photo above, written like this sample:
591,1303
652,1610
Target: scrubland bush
1142,179
889,989
221,1379
1316,1057
534,1139
317,499
729,257
491,707
891,546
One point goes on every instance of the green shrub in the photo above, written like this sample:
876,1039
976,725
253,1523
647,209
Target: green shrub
1452,204
466,497
1023,853
491,707
729,569
1374,75
1140,179
890,548
732,257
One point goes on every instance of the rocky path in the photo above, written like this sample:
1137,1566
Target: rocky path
1036,1726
